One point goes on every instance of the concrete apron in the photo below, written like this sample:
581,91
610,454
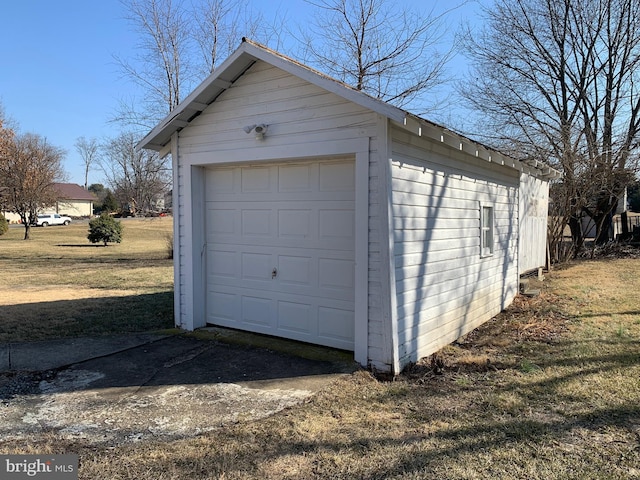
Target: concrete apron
172,387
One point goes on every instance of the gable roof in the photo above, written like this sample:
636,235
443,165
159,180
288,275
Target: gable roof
250,52
73,191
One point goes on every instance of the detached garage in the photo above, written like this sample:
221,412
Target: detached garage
309,210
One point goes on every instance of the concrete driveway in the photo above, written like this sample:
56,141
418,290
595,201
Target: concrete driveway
155,387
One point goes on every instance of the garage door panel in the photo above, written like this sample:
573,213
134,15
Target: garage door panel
257,266
336,274
337,177
222,181
336,230
222,221
295,223
295,270
296,317
223,263
297,218
224,306
295,178
287,196
257,310
288,243
256,179
336,324
257,222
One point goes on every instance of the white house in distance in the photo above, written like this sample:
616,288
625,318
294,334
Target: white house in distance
308,210
74,200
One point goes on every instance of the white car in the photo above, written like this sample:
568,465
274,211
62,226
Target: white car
46,219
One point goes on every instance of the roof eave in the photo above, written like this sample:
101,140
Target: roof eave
197,101
249,52
423,128
233,68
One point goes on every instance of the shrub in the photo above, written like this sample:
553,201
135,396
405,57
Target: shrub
105,229
4,225
110,204
169,243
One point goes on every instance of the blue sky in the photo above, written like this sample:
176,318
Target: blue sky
58,77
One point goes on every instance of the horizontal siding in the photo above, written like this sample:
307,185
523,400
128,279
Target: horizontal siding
444,288
299,116
296,112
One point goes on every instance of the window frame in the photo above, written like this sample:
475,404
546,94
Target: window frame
487,231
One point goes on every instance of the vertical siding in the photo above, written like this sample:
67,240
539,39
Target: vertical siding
181,265
443,287
534,208
379,328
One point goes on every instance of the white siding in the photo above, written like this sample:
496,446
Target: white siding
304,121
79,208
297,113
444,288
534,208
181,264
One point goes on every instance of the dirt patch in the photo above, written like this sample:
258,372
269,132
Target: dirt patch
21,295
494,345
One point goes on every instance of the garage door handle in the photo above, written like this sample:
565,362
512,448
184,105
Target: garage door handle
274,273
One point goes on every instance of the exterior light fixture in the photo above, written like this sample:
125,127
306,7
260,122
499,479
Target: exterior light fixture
259,130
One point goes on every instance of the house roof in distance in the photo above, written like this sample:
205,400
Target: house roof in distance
73,191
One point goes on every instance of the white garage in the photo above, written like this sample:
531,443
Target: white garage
308,210
281,250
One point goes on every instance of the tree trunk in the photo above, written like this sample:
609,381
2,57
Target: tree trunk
604,222
576,234
27,231
624,223
605,229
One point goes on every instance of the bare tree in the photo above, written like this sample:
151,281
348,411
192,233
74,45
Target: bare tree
378,47
179,44
28,169
162,66
88,150
136,177
7,136
559,79
219,26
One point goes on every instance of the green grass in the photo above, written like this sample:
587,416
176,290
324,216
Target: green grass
58,284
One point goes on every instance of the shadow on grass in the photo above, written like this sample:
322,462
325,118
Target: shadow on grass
94,245
176,360
85,317
416,454
607,314
520,445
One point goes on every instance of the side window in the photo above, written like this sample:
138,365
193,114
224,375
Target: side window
486,230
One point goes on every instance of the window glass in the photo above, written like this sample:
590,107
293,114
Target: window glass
486,235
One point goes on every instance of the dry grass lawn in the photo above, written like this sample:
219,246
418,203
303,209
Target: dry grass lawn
549,389
59,284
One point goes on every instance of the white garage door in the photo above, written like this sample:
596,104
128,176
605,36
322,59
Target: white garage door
280,250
